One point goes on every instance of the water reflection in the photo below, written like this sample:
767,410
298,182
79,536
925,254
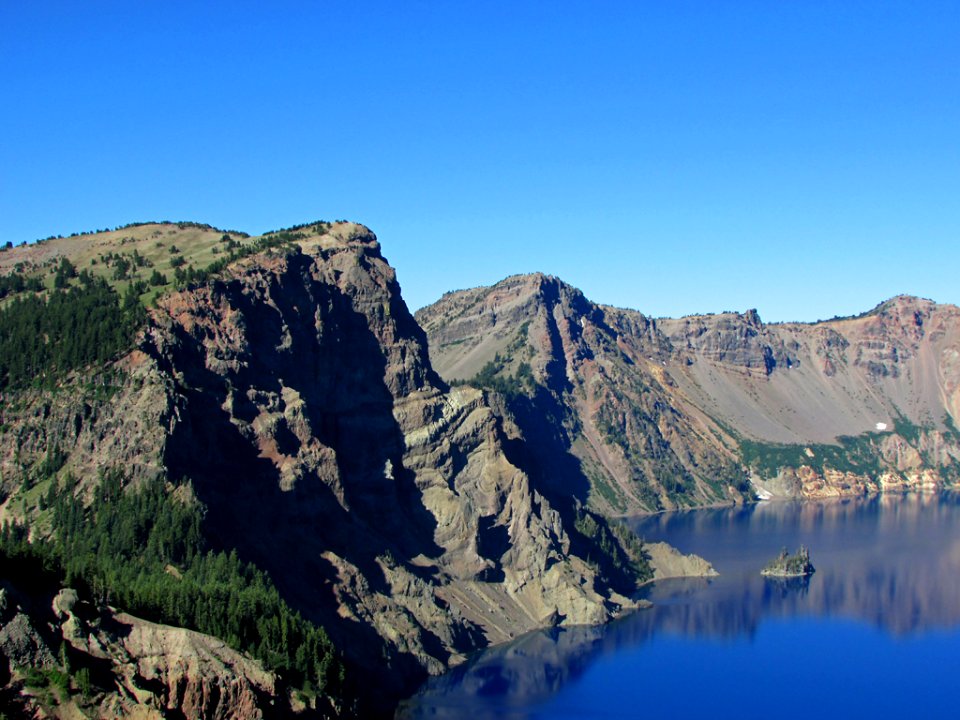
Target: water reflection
890,561
893,562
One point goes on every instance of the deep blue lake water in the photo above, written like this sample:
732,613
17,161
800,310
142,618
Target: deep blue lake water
874,633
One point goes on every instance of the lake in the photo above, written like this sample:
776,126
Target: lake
875,632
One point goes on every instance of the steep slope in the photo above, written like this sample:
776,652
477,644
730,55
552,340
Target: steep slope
306,376
794,382
666,413
290,395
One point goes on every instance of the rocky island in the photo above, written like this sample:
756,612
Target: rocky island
786,565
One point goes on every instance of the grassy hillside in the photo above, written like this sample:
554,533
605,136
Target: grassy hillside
68,302
125,255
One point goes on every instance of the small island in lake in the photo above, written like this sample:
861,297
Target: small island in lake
786,565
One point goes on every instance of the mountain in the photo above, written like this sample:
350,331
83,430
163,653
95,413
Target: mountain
253,444
646,414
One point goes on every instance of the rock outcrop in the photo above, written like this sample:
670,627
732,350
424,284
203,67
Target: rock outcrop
591,392
139,669
668,562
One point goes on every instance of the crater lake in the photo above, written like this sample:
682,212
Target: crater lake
874,632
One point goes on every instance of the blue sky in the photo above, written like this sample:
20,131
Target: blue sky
802,158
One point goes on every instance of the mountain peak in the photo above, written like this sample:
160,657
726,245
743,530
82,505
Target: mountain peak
899,302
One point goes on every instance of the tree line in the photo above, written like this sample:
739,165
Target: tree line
42,338
144,551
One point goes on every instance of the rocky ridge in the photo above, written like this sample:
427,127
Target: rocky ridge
664,413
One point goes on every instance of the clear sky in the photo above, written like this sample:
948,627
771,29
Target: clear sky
799,157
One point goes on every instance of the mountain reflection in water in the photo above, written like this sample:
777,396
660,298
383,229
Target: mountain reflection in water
891,562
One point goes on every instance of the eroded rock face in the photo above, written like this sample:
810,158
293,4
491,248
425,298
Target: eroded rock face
21,644
140,669
654,414
731,338
163,668
117,417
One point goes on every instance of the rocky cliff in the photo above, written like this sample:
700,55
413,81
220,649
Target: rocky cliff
291,396
68,658
662,413
326,449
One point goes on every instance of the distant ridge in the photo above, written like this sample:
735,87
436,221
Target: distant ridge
661,413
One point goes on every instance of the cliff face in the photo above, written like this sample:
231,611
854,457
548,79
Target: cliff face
295,395
704,409
328,451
